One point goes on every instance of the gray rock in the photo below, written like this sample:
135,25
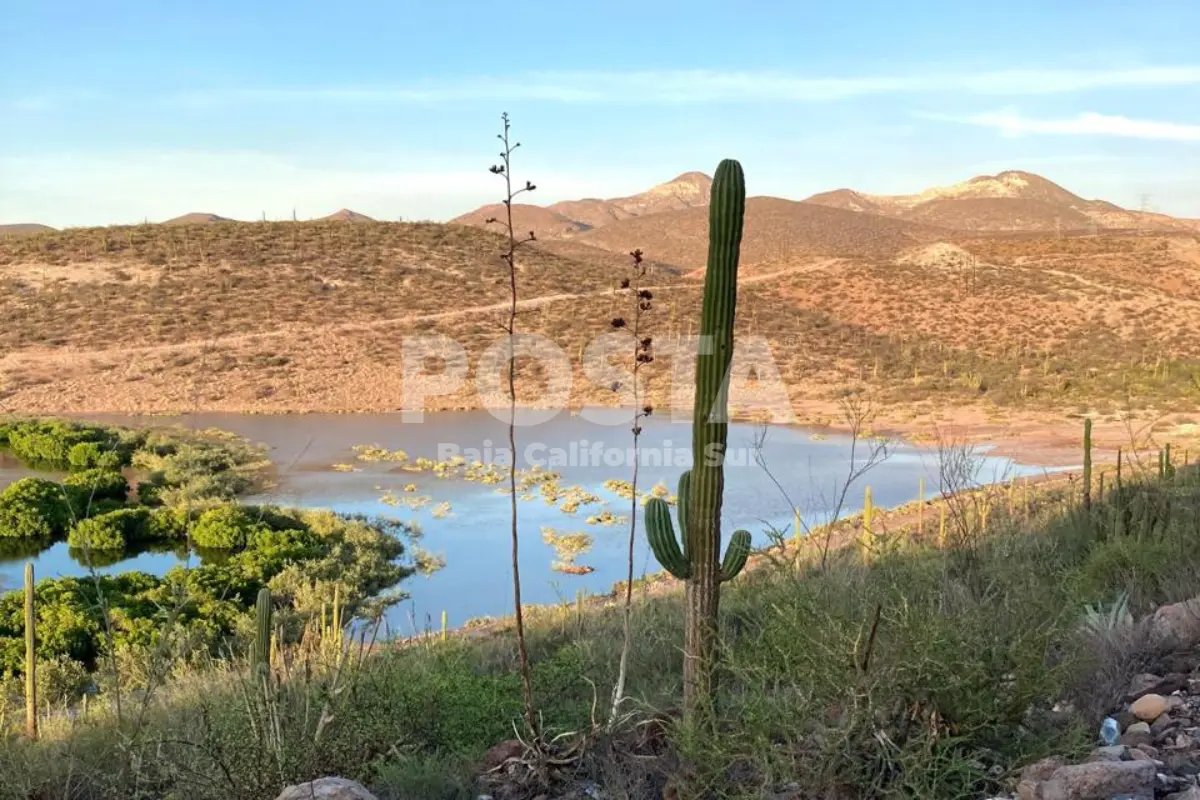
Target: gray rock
1176,625
1137,733
1100,780
1116,752
1188,794
326,789
1145,683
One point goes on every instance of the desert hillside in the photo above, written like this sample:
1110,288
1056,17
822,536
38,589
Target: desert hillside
1009,201
303,316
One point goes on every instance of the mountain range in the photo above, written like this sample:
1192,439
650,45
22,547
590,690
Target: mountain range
1009,201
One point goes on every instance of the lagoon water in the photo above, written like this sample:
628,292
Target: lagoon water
474,538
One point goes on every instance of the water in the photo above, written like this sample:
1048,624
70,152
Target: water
475,538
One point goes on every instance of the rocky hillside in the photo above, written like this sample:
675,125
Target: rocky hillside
1008,201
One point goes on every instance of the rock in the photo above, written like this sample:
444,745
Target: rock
1137,733
1125,719
1183,764
1116,752
1149,683
327,789
1138,754
1100,780
1144,683
1190,794
498,754
1036,773
1176,625
1148,750
1149,707
1171,783
1164,723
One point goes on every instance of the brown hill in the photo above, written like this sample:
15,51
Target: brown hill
197,218
999,214
689,190
24,228
1008,201
542,221
569,217
346,215
776,231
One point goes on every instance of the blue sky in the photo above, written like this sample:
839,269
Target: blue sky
118,111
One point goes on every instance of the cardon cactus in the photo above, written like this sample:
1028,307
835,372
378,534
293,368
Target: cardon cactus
694,558
672,552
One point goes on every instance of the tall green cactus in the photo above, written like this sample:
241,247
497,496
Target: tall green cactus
695,557
260,654
1087,462
31,720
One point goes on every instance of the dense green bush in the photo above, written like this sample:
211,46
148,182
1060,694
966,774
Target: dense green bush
66,445
227,527
34,508
113,530
98,484
93,455
105,532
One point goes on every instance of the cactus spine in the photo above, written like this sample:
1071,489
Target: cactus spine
31,720
260,654
1087,463
694,556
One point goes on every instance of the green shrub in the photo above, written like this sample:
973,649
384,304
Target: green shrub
228,527
99,484
105,532
91,456
34,507
53,443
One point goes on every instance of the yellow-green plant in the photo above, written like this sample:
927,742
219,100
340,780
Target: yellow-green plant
31,720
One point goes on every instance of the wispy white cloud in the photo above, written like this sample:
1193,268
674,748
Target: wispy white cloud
704,86
50,101
1090,123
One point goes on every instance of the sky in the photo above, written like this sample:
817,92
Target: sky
127,110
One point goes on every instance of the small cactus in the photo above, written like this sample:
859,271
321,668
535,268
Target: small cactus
867,543
1087,462
260,654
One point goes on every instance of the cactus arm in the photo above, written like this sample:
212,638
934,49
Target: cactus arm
735,555
682,497
661,535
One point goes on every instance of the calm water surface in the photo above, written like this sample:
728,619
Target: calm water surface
474,537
